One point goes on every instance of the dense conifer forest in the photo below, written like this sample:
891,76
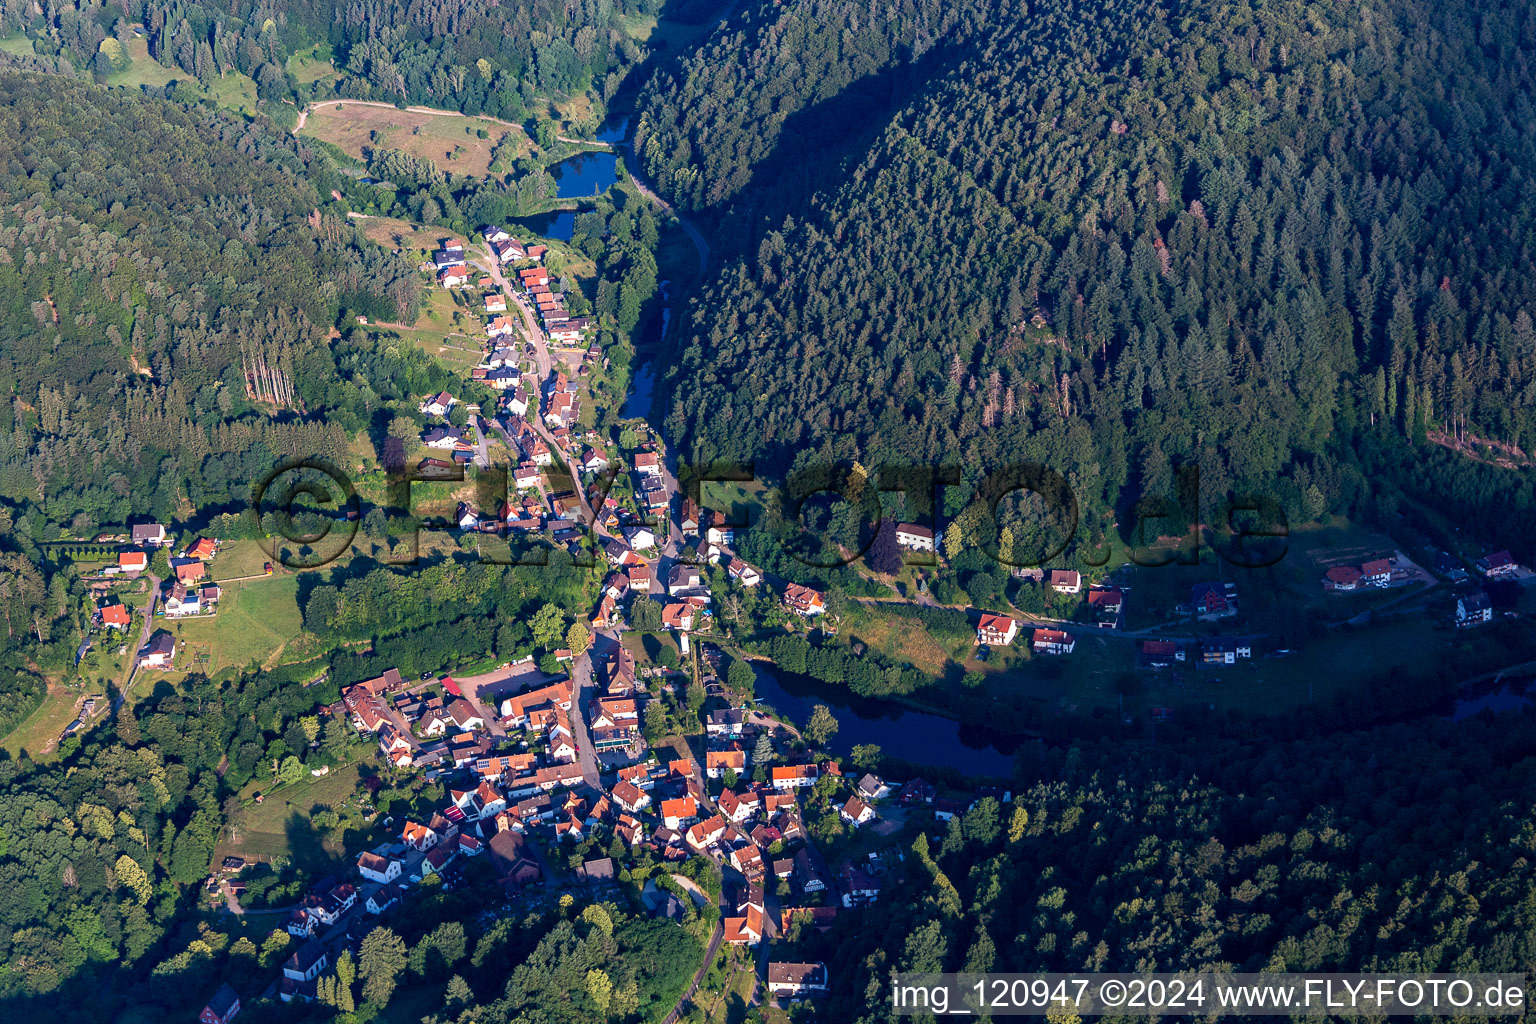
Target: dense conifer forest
477,57
1288,243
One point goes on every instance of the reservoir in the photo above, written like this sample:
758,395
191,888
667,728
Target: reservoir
586,174
910,735
557,224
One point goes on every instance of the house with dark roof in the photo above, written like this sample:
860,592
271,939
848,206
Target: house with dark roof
786,979
222,1008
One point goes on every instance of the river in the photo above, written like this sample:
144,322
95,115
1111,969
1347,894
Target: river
898,731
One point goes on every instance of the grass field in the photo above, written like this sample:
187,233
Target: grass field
417,240
904,638
232,89
312,65
16,45
264,831
451,142
39,731
450,327
255,619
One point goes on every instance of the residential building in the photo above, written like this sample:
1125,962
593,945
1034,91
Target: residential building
718,762
1107,605
1160,653
856,812
222,1008
871,788
1473,610
1341,578
1053,641
996,630
1376,573
795,776
1066,581
1213,600
786,979
912,537
804,600
160,652
378,868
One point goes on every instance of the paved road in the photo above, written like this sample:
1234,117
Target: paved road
709,958
583,690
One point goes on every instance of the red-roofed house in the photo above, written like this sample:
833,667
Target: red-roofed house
996,630
1053,641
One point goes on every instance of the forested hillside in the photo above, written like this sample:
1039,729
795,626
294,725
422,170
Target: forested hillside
478,57
171,279
1288,242
1402,849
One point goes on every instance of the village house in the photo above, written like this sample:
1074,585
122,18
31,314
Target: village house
300,971
222,1008
1107,605
495,302
743,573
383,898
182,602
1376,573
377,868
202,549
438,404
745,928
1220,651
718,762
795,776
1053,641
1211,601
500,326
702,835
159,653
513,863
856,812
912,537
679,811
738,807
630,798
996,630
1066,581
448,438
114,615
1160,653
725,722
132,561
1500,563
149,535
1473,610
1341,578
677,617
871,788
785,979
453,277
859,886
804,600
418,837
